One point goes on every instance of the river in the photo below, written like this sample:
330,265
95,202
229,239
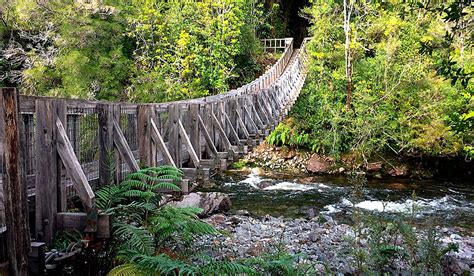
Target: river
439,202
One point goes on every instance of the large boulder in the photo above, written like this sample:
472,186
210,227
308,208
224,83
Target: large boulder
211,203
318,164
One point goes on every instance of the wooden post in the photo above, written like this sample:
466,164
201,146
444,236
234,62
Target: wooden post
106,145
174,140
14,185
144,134
116,113
46,170
61,114
194,134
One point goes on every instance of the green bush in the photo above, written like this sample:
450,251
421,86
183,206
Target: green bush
403,101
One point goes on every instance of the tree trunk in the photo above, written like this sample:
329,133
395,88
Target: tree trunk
347,50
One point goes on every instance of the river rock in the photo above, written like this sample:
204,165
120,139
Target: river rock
211,203
317,164
374,167
401,170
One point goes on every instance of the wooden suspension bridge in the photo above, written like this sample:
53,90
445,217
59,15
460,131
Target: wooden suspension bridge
55,149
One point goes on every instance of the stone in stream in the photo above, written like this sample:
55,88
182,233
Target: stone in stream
211,203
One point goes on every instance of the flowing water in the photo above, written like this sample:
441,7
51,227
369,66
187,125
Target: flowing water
437,202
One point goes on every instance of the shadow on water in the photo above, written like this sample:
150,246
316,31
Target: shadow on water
439,202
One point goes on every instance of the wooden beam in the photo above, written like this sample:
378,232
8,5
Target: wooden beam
106,144
61,114
73,167
14,185
123,148
174,138
252,122
156,136
242,124
144,113
189,145
46,172
221,131
232,129
207,137
78,221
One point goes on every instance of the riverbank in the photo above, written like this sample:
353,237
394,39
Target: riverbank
284,159
321,241
312,217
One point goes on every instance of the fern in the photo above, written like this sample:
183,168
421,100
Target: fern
182,222
140,186
134,238
163,264
225,268
127,269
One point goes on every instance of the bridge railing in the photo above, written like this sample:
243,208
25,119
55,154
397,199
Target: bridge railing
68,147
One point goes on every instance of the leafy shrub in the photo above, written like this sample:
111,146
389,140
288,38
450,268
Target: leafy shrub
404,100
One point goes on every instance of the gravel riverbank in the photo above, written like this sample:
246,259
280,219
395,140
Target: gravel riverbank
320,241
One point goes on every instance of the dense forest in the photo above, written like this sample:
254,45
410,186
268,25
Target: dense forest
142,51
389,77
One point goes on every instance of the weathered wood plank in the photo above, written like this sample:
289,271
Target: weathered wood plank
78,221
174,138
232,130
189,145
61,110
123,148
207,137
106,146
46,172
194,133
14,185
221,131
73,167
156,136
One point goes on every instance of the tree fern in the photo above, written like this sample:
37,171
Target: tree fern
134,238
163,264
128,269
224,268
179,221
139,186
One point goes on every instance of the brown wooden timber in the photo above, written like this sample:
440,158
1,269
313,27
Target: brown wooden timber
46,170
123,148
14,185
73,168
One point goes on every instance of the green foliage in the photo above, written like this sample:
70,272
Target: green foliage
134,238
183,223
393,240
285,134
191,49
280,263
64,239
143,51
139,187
404,100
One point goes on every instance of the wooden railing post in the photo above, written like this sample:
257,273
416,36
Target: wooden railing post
194,133
46,170
106,146
174,138
61,113
14,185
116,113
145,151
